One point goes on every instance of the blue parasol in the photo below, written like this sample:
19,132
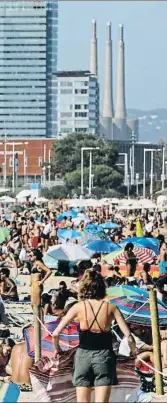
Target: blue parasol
69,213
102,246
149,243
109,225
65,234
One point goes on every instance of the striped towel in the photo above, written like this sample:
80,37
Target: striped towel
52,379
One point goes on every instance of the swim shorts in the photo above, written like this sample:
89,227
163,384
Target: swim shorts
94,368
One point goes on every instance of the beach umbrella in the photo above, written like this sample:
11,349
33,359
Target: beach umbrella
69,252
84,217
80,217
68,338
136,310
4,234
65,234
109,225
69,213
91,227
125,291
7,199
50,262
143,255
149,243
102,246
23,194
41,200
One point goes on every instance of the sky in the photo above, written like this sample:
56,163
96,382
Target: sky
145,35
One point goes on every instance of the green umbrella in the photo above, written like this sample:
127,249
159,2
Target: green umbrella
121,291
4,234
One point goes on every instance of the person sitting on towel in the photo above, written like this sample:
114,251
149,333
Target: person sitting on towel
8,288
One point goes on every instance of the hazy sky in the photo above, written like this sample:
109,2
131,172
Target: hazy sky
145,34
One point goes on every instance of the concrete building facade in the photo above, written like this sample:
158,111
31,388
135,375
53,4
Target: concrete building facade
77,103
28,63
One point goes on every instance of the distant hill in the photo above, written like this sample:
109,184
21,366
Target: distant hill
152,124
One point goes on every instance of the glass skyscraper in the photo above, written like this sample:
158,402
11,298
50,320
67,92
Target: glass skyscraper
28,64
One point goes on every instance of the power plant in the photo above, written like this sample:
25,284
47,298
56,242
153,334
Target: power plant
114,126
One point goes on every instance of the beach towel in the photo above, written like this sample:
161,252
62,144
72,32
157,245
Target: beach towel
52,379
9,392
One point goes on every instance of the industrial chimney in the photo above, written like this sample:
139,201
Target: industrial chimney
108,108
120,112
93,50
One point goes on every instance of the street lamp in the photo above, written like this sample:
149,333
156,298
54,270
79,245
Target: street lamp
125,164
152,150
128,185
137,184
92,177
90,166
163,168
13,144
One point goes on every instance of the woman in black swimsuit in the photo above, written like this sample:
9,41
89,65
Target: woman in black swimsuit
39,274
95,364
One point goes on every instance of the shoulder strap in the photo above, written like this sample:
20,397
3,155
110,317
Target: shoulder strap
86,317
95,316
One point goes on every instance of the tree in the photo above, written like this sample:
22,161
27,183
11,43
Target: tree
67,152
67,162
104,177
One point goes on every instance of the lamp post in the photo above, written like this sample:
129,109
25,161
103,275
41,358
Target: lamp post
25,165
128,186
44,160
125,164
90,173
44,176
49,168
5,162
137,184
163,168
92,176
13,144
152,150
90,166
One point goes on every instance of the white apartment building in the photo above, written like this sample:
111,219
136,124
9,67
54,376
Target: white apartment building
77,103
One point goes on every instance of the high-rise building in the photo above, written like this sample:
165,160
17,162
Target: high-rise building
78,102
28,64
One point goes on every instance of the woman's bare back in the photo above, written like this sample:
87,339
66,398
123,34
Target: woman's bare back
100,313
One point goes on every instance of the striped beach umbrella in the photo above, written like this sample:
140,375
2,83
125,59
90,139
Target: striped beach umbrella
136,309
68,338
143,255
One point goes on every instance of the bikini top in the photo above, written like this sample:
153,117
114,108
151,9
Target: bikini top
36,271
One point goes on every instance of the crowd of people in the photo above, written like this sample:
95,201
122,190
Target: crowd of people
31,233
